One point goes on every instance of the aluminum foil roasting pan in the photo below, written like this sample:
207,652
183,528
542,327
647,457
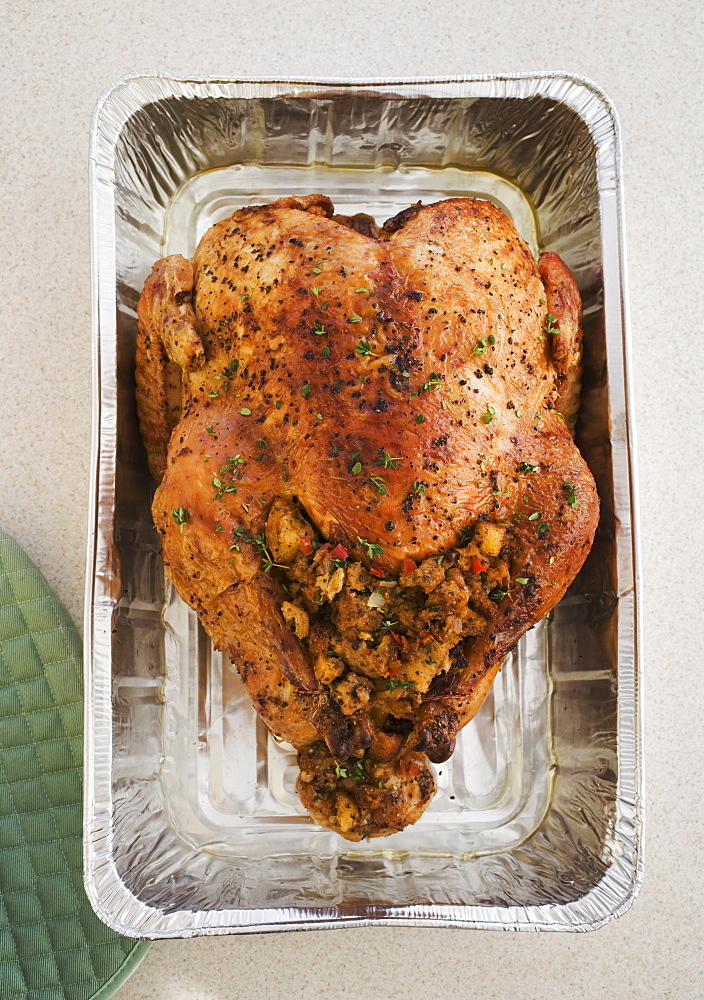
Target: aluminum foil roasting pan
191,822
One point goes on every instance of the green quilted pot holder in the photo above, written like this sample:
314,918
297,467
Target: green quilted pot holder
52,945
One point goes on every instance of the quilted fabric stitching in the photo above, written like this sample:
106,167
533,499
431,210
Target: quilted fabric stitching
39,843
61,770
23,959
30,812
31,923
90,951
51,739
38,711
2,903
12,928
77,762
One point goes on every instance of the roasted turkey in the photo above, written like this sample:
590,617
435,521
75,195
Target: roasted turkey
368,486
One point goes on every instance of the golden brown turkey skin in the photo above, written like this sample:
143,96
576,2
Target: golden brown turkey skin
396,390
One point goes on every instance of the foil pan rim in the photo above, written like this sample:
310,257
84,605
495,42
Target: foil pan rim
103,883
356,82
349,83
573,917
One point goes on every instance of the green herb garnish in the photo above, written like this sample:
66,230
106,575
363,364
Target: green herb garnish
180,516
392,684
551,326
570,493
497,594
259,543
387,461
373,549
434,382
357,772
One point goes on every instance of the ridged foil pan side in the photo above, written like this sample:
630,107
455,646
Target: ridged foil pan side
553,137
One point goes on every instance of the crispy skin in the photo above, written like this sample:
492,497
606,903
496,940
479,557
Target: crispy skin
565,303
167,343
429,345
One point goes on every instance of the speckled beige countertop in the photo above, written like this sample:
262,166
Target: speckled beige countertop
56,59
